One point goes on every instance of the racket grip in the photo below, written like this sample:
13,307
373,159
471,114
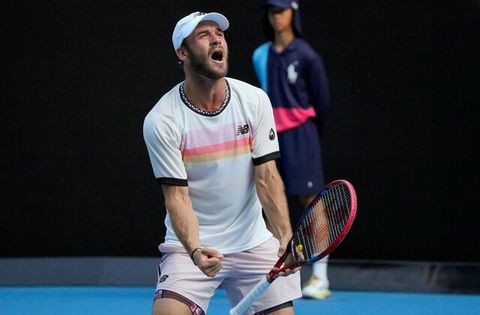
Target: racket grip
250,298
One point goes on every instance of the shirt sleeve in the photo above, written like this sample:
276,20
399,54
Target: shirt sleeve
265,141
163,146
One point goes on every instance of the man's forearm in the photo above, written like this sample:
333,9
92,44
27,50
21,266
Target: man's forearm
182,217
271,193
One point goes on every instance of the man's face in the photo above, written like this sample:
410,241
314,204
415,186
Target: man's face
207,50
280,19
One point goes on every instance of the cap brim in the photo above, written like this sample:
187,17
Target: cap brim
275,8
218,18
186,25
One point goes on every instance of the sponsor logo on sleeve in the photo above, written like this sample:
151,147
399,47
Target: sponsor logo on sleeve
271,135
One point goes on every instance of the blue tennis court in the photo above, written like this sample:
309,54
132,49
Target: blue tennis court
76,300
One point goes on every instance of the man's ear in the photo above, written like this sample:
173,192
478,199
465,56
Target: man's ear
181,53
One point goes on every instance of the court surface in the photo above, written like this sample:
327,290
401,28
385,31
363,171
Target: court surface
137,300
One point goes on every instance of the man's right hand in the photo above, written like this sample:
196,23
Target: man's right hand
208,260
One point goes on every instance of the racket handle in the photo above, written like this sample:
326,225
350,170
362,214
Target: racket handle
250,298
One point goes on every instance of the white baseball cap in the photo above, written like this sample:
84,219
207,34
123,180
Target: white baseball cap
187,24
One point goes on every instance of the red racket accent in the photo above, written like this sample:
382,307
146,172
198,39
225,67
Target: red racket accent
326,221
321,228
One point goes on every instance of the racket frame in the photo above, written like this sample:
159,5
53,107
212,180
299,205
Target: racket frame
263,285
272,275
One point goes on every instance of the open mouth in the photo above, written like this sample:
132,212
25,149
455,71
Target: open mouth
217,55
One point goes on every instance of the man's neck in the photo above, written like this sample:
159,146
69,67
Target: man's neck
283,39
204,93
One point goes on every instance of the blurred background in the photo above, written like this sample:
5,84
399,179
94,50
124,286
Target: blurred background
78,78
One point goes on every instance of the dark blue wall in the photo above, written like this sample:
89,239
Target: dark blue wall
78,78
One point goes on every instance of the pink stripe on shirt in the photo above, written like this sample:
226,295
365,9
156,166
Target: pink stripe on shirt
288,118
219,147
219,151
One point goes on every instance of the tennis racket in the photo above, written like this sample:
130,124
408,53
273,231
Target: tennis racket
321,228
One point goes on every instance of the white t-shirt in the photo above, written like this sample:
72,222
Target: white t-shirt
214,155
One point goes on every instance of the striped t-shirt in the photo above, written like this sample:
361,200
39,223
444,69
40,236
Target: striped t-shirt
214,153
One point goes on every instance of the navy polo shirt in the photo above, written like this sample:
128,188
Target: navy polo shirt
297,84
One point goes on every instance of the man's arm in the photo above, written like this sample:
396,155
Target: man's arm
271,192
185,224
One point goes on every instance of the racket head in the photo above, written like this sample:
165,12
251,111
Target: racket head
324,223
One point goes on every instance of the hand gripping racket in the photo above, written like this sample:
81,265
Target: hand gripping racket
321,228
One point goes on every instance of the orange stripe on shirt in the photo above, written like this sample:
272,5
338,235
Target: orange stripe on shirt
218,151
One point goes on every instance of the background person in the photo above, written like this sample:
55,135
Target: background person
293,75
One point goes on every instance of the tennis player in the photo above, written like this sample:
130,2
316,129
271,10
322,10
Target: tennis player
212,144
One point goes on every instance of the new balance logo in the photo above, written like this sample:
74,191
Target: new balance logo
241,130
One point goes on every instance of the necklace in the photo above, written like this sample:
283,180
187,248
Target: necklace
201,111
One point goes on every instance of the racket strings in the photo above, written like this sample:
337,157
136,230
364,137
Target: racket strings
324,222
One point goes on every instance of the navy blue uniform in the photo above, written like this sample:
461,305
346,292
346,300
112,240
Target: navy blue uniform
297,85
